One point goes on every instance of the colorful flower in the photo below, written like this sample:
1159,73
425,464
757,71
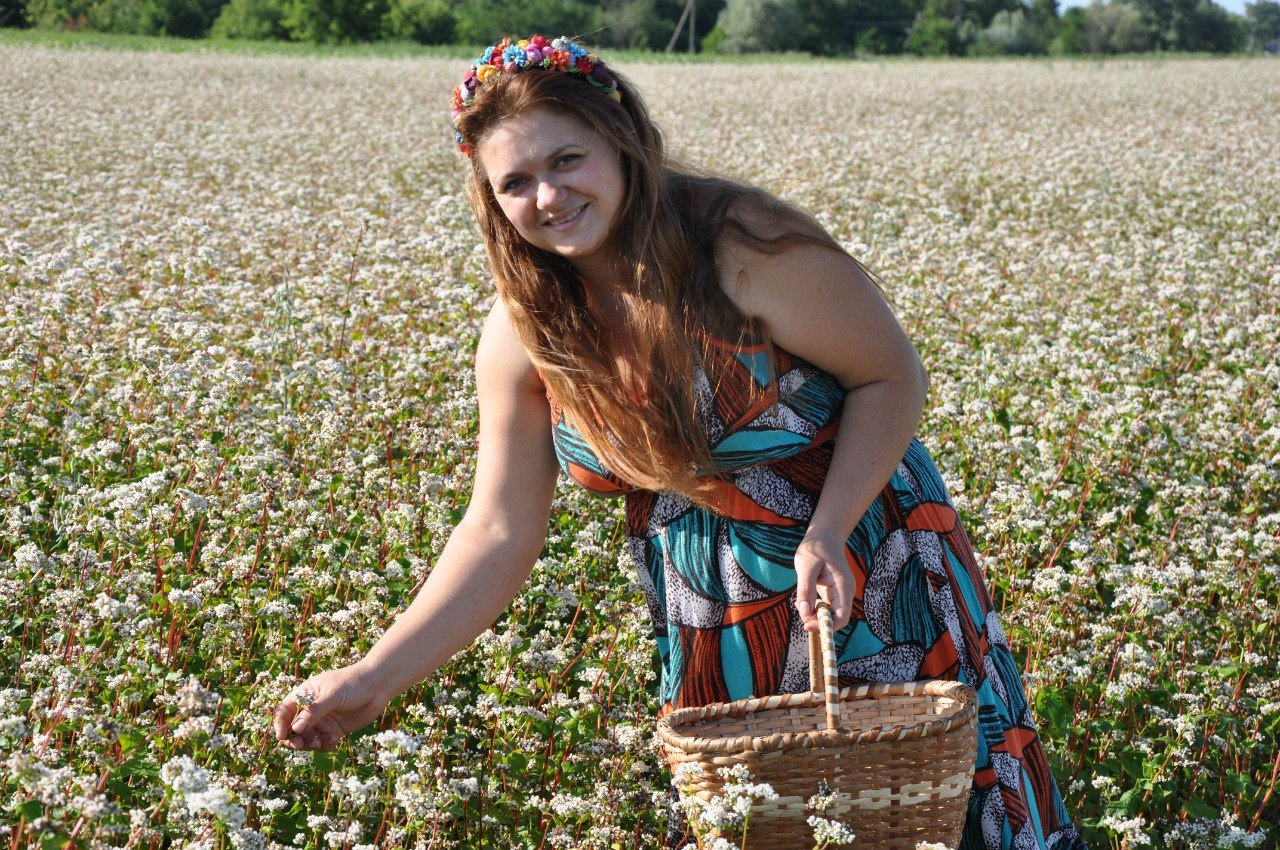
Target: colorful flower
512,55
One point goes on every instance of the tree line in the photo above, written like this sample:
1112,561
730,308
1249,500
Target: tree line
820,27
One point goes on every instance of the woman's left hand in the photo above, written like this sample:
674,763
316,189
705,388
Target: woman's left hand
822,568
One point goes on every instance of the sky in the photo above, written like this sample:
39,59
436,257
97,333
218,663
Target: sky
1236,6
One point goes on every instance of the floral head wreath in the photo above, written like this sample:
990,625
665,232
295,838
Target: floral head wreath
514,55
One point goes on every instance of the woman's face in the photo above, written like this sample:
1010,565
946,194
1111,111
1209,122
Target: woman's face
558,182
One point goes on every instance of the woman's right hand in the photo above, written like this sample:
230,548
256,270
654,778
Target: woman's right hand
327,706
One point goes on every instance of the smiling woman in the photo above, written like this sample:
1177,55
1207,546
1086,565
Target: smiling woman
715,355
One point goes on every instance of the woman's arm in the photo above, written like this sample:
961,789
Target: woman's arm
491,551
819,305
486,560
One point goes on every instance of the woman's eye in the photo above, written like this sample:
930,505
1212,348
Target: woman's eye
513,183
569,157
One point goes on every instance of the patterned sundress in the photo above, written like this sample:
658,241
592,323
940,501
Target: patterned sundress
720,586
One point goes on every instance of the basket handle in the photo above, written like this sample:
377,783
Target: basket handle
822,673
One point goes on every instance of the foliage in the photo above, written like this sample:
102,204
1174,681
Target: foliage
752,26
1009,33
423,21
1184,24
59,14
934,36
1073,33
1264,25
12,14
258,20
836,27
335,21
183,18
1118,27
714,42
485,21
819,27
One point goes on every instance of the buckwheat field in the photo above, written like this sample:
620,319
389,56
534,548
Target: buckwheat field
239,301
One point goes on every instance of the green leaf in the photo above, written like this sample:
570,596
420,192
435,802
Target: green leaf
1053,710
1241,784
1131,765
30,810
53,840
1196,807
1127,804
324,762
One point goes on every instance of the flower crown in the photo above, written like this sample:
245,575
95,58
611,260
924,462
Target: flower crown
510,56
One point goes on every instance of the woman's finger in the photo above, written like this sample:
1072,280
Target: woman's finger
313,703
806,596
843,607
283,717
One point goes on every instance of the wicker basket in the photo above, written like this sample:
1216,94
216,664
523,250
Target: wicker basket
900,756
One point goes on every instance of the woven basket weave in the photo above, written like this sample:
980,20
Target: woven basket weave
900,755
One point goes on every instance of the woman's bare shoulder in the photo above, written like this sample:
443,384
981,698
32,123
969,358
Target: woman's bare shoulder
500,356
734,253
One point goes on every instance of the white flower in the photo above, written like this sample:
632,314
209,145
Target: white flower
464,788
830,833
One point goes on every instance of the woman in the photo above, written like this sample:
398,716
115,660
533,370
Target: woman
715,355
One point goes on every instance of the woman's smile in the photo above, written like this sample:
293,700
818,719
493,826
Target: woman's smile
561,223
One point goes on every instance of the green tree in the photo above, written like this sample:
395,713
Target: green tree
336,21
1010,33
1043,19
640,24
841,27
754,26
1189,25
1073,33
882,25
423,21
983,12
1206,26
13,13
1119,27
486,21
932,36
182,18
59,14
936,30
260,20
1263,19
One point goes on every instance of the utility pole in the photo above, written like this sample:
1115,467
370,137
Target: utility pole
690,15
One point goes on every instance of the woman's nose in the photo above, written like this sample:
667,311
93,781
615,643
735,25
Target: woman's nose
550,194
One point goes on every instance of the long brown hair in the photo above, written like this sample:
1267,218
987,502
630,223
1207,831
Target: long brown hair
667,228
